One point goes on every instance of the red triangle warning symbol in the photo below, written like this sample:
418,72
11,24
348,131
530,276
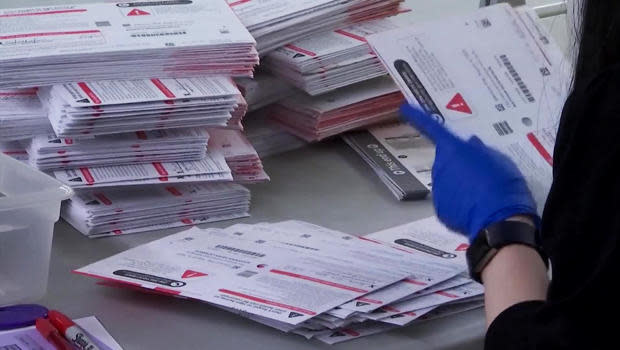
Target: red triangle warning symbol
463,247
136,12
458,104
193,274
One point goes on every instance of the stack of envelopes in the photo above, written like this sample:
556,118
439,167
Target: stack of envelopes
268,138
243,160
14,149
316,118
400,156
21,115
102,41
263,90
212,168
306,279
52,153
125,211
275,23
327,61
116,106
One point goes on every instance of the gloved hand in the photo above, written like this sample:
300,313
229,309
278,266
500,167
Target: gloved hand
474,186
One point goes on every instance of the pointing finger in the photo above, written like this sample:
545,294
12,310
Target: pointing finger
425,123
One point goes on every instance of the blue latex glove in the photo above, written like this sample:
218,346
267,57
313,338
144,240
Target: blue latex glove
474,186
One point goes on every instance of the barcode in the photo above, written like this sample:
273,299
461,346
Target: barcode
503,128
237,250
149,35
103,24
517,78
247,274
10,347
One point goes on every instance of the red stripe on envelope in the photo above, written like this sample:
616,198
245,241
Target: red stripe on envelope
87,176
19,93
108,279
268,302
90,93
446,294
174,191
390,308
408,280
300,50
163,88
42,13
372,301
369,240
540,148
167,291
312,279
232,4
33,35
105,200
351,332
160,169
350,35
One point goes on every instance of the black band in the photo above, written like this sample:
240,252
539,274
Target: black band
491,239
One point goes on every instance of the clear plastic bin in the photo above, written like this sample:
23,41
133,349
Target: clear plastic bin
29,207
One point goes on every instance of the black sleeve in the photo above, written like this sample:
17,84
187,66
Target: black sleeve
516,320
580,230
522,327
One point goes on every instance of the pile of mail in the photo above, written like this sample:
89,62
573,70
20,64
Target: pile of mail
305,279
269,138
116,106
364,329
51,45
193,168
399,155
109,212
328,61
132,102
212,168
51,153
14,149
243,160
275,23
22,115
262,90
316,118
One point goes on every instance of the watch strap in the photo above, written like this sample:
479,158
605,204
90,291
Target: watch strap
491,239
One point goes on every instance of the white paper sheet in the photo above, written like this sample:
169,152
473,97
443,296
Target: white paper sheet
495,73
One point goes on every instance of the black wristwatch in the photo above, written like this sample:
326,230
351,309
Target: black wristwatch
491,239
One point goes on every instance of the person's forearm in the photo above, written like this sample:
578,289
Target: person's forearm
516,274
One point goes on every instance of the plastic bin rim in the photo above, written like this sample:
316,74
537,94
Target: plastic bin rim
58,194
56,191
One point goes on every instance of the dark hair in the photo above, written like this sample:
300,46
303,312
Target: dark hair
599,38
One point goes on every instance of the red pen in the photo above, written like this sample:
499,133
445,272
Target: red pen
52,335
72,332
